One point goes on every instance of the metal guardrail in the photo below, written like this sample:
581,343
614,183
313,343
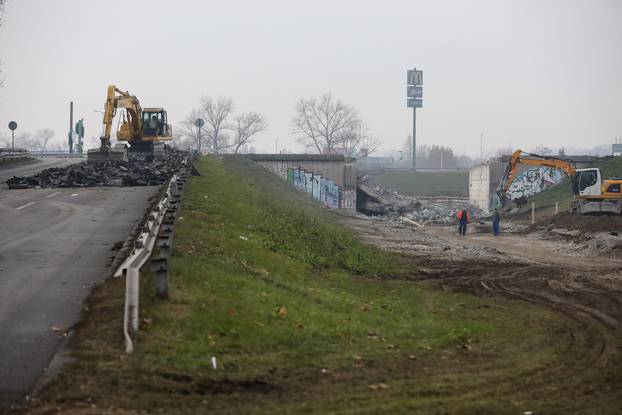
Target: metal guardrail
5,150
157,232
13,153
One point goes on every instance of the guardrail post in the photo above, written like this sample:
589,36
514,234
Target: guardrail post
161,268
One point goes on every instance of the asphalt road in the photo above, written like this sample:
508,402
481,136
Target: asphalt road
55,244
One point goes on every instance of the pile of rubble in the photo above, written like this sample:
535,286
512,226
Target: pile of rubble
138,171
378,201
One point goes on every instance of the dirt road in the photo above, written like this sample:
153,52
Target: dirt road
585,292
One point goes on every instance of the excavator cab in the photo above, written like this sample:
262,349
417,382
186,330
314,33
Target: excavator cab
586,182
155,126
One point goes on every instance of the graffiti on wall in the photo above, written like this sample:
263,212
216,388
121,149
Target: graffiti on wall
322,189
533,181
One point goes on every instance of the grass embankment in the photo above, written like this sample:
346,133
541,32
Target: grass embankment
562,193
422,183
301,317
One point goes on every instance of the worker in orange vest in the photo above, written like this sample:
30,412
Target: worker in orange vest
463,218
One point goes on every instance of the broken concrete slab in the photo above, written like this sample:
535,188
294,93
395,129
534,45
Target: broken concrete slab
378,201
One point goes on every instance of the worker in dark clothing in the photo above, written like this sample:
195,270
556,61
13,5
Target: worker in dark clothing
463,219
496,218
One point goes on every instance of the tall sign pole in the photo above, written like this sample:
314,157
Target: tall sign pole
414,100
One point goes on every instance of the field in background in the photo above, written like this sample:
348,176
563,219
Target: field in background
422,183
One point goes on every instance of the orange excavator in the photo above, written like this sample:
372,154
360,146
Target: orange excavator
592,193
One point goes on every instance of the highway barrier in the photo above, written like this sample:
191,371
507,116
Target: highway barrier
156,236
13,154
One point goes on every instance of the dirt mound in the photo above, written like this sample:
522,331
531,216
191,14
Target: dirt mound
582,223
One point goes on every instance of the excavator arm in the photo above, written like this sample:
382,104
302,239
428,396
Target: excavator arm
131,128
519,157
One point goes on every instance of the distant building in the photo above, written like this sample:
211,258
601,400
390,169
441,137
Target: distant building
616,149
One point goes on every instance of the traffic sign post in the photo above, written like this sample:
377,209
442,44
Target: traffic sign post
12,127
414,100
199,123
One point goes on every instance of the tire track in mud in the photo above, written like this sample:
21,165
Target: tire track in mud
589,307
584,348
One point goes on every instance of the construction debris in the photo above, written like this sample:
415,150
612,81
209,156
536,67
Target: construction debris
139,171
378,201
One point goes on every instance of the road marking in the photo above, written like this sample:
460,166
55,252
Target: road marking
25,206
53,194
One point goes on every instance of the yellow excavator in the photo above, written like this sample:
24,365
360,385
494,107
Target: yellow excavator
592,193
145,129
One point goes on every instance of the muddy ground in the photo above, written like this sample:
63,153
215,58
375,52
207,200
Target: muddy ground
584,288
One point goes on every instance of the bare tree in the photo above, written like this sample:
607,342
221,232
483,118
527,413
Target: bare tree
246,126
43,137
541,150
219,134
356,141
216,114
27,141
187,133
324,123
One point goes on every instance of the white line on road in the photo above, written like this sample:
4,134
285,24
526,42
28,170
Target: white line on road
53,194
25,206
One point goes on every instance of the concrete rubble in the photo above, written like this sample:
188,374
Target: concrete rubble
139,171
378,201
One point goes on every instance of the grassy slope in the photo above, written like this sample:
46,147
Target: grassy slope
301,317
454,183
562,193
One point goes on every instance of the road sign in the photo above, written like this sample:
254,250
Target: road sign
414,91
12,125
414,103
199,122
414,77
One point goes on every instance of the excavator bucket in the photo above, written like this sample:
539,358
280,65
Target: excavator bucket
105,156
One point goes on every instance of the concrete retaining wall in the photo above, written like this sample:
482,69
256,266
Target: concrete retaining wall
328,178
483,182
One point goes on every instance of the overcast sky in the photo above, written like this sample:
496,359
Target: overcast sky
520,72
